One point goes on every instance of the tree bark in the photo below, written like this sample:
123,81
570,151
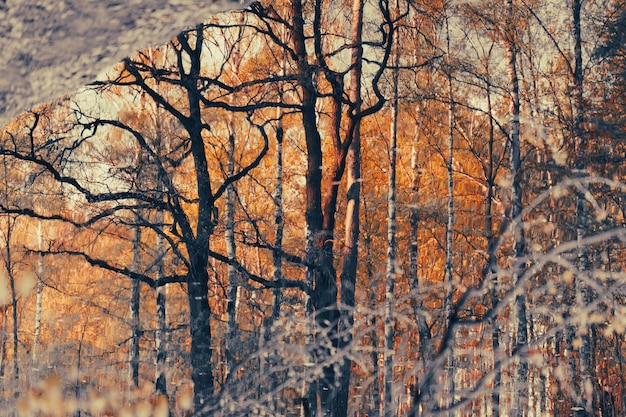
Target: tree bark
448,273
198,241
321,277
391,241
14,300
3,340
133,349
8,263
519,242
277,256
231,252
161,338
38,299
587,383
353,201
491,256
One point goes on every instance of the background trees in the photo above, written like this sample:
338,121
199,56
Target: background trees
214,166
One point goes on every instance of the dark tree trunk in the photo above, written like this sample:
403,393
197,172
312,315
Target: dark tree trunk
134,313
198,246
200,328
161,310
325,290
313,141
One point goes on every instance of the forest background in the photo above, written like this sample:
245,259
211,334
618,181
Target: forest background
327,208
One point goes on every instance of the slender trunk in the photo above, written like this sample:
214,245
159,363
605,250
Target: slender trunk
161,307
38,299
277,257
521,337
277,262
79,353
8,262
391,245
491,256
416,299
16,368
425,337
133,350
277,254
620,366
161,341
414,219
231,341
582,292
229,237
3,340
161,335
448,277
375,404
536,384
353,197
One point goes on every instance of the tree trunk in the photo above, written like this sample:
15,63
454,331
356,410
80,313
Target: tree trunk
416,300
8,263
448,277
391,244
519,243
375,405
198,246
200,328
229,237
38,299
424,350
587,384
277,256
161,341
491,256
3,340
14,299
161,307
353,197
277,261
322,276
133,349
